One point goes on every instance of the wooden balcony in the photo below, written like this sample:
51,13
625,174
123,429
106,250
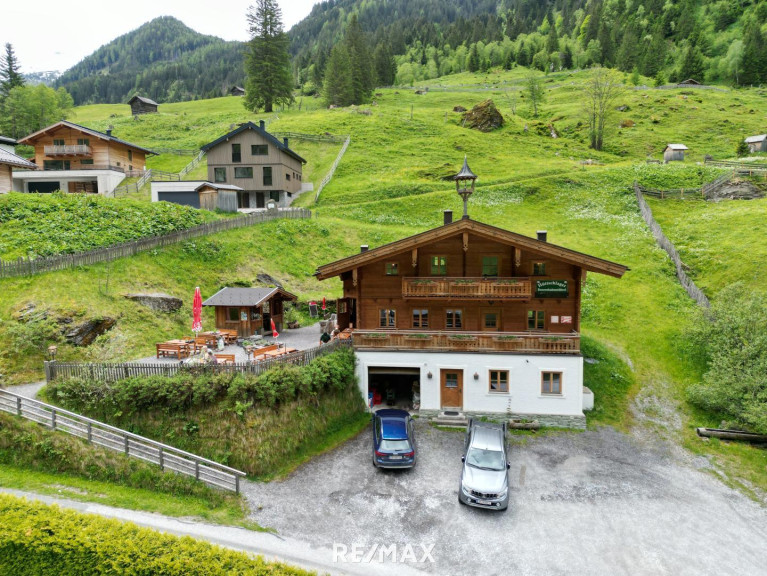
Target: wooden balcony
514,342
70,150
467,288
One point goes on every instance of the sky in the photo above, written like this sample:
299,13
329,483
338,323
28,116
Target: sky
56,34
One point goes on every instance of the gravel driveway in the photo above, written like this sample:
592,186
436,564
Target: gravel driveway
596,502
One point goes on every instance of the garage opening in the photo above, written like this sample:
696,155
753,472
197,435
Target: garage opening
394,387
44,187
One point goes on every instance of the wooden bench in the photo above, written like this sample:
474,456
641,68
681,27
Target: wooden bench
179,350
230,336
262,353
224,358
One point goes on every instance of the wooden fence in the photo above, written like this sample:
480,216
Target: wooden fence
310,137
704,191
112,372
28,267
739,167
694,292
332,170
192,165
98,433
147,176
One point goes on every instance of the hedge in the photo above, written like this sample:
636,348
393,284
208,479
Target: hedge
45,540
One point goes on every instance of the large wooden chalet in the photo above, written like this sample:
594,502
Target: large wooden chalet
470,318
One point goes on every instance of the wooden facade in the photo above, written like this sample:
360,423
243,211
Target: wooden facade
466,286
250,311
263,166
6,182
757,143
67,146
9,161
237,91
141,105
674,153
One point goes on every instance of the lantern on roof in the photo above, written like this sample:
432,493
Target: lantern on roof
464,185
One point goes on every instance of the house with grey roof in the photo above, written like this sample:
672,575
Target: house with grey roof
8,162
757,143
141,105
249,310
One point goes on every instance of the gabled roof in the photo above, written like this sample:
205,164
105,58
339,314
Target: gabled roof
754,139
245,296
6,140
218,186
11,159
676,147
251,126
689,82
585,261
144,100
90,131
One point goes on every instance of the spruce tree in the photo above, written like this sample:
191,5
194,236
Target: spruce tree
363,79
10,77
754,59
473,63
385,65
655,54
339,89
552,40
267,62
692,65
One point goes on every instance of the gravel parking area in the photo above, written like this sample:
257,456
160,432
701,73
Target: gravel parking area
598,502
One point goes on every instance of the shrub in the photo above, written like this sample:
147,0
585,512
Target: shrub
39,539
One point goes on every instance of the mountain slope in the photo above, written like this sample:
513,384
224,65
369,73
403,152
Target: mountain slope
163,60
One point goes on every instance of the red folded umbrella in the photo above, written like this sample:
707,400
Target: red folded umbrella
323,303
197,311
275,334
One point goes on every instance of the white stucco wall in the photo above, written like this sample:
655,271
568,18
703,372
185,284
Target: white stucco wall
173,186
107,180
524,396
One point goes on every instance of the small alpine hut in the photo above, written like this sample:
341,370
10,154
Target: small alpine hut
141,105
757,143
237,91
249,310
688,83
674,153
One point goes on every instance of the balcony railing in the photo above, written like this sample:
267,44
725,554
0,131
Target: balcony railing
521,342
88,167
69,150
467,288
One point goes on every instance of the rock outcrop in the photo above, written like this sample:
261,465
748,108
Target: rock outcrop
158,301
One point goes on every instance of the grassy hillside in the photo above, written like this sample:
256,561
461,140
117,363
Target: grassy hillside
391,184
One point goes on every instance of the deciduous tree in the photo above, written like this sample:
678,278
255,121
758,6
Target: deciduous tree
599,93
535,92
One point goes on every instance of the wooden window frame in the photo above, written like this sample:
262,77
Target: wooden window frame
130,155
86,161
246,169
483,319
491,380
538,314
267,170
542,271
385,315
440,265
87,142
450,313
59,142
420,313
551,383
236,152
497,266
391,268
229,315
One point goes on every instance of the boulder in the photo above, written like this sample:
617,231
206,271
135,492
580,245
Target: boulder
735,190
484,117
84,334
263,278
157,301
459,109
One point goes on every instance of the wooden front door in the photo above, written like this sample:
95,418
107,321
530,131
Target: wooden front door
451,385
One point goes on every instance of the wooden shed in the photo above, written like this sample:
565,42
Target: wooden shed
237,91
249,310
757,143
218,196
674,153
689,82
141,105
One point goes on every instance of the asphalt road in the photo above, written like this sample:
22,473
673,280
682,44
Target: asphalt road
598,502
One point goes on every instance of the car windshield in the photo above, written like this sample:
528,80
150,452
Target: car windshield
485,459
392,445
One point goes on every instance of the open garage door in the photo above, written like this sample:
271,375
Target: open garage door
394,387
44,187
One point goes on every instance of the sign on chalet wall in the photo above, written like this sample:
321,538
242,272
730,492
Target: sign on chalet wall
551,288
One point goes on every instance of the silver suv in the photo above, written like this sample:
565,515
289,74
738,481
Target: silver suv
485,477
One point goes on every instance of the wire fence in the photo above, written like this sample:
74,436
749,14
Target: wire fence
28,267
705,191
332,170
132,445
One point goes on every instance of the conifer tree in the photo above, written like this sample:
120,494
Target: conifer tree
754,63
10,76
552,40
339,89
692,65
267,63
473,63
655,54
363,80
385,65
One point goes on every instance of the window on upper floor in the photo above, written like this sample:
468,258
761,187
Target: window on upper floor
539,269
421,318
536,320
243,172
236,153
551,383
259,150
130,155
453,319
392,269
267,175
219,174
439,265
489,266
57,142
287,176
387,318
87,142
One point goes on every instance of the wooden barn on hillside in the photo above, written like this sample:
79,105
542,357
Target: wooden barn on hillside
237,91
674,153
141,105
757,143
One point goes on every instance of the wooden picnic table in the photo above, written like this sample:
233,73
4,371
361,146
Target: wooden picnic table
178,348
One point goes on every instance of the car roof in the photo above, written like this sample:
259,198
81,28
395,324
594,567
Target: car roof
393,423
487,438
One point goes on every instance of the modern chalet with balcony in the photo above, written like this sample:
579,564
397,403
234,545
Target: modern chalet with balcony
469,318
74,158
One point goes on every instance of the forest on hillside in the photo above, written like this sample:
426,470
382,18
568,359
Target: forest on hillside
163,60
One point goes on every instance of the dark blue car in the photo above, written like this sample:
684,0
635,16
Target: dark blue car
393,439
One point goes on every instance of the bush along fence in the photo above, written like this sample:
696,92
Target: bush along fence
28,267
332,170
112,372
705,191
95,432
694,292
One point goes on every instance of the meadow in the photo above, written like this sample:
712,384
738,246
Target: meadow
394,181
